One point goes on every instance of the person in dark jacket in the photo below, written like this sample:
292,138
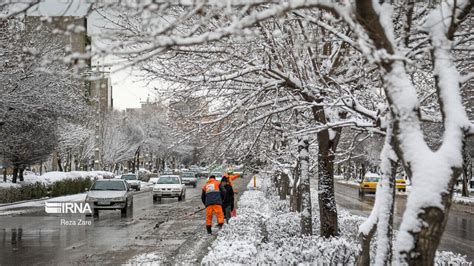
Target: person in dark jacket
228,202
212,197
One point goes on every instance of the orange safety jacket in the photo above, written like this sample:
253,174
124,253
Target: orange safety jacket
212,193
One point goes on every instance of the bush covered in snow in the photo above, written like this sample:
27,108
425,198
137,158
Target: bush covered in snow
266,232
50,184
25,192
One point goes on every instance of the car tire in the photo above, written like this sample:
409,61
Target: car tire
180,197
361,193
138,189
404,190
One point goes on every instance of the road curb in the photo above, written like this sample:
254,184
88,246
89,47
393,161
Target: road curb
23,201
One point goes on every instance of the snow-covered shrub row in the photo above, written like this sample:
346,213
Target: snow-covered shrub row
50,184
238,241
51,177
266,232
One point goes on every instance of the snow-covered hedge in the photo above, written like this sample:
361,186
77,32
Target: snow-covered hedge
50,184
266,232
51,177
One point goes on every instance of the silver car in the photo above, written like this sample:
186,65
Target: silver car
132,179
189,178
110,194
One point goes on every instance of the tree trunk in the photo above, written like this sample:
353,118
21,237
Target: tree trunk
465,170
326,196
4,171
60,167
296,192
54,163
427,240
365,239
362,171
20,173
284,186
15,174
306,214
138,159
386,199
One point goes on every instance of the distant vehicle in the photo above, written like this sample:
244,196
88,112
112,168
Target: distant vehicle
369,184
132,179
202,174
168,172
169,186
401,185
218,175
152,180
109,194
194,168
189,178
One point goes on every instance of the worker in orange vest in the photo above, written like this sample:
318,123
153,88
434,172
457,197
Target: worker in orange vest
212,197
231,177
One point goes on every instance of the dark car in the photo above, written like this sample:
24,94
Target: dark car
189,178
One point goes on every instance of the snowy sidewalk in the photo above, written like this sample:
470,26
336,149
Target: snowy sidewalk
16,208
266,232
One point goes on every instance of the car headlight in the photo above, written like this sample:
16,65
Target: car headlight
118,199
90,198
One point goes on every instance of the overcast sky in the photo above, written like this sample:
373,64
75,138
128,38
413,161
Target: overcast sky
128,90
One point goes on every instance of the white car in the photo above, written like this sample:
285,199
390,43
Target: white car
218,175
109,194
132,179
169,186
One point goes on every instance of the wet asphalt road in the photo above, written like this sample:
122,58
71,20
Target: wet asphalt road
458,235
165,231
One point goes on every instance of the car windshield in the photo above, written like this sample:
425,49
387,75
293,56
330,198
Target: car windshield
129,177
168,180
108,185
188,174
372,179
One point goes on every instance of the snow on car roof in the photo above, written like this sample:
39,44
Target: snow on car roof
371,175
169,175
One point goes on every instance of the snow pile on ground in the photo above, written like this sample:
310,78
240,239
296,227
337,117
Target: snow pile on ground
52,177
238,241
145,259
80,197
266,232
463,200
9,185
